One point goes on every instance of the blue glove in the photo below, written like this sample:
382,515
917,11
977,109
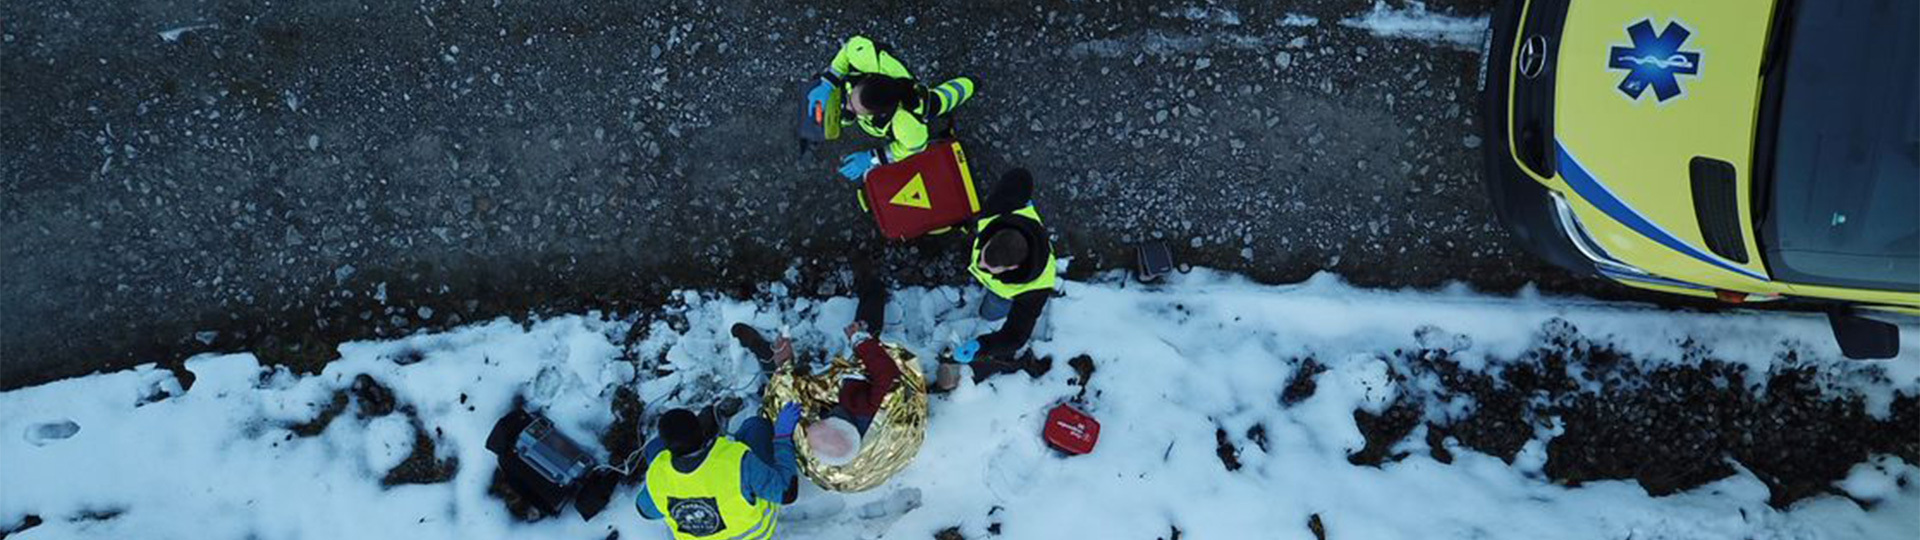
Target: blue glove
817,100
784,423
966,352
855,165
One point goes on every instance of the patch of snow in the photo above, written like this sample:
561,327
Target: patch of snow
1164,44
387,442
1416,22
1202,352
1298,20
173,35
1215,15
1879,479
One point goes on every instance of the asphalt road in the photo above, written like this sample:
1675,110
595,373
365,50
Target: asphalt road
178,177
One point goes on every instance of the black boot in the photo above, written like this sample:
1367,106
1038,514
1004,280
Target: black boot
755,343
872,309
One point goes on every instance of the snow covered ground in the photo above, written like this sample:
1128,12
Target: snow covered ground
1176,366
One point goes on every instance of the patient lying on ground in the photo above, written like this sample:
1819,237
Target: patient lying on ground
835,438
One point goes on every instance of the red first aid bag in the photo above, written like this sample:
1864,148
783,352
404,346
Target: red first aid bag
1070,430
927,192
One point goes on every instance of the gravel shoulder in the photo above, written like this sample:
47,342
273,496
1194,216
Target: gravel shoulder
181,177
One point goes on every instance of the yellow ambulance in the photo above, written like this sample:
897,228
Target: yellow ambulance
1744,150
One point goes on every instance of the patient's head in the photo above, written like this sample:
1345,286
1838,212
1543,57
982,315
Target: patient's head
833,441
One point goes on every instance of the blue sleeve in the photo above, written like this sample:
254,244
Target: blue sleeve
645,500
763,479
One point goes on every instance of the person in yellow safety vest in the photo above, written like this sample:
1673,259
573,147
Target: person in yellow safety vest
885,100
1013,259
722,488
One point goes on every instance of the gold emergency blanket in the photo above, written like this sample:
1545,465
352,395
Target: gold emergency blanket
890,443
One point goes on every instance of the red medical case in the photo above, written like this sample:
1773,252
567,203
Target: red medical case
1070,430
927,192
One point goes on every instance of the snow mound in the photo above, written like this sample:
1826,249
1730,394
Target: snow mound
1416,22
1298,20
1202,430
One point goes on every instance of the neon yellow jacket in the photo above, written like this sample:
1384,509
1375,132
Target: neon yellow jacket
905,132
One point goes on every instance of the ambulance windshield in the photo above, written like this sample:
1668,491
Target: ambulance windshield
1843,205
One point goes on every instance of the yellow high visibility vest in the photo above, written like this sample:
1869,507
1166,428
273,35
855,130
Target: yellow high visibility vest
706,504
1001,288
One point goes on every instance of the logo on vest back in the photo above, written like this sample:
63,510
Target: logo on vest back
697,517
914,194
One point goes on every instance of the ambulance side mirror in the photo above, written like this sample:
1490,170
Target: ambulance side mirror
1862,338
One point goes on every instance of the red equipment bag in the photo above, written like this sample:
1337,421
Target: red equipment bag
1070,430
926,193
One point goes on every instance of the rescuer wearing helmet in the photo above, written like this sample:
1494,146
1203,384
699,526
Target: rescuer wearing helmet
886,101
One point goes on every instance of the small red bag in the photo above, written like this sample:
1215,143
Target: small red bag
1070,430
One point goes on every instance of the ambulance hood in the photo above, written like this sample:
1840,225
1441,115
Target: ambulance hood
1648,91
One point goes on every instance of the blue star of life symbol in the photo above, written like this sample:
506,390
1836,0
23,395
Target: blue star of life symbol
1655,60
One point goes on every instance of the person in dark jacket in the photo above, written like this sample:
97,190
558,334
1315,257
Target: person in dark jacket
861,399
1013,260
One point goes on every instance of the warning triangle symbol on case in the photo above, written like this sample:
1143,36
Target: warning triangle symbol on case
914,194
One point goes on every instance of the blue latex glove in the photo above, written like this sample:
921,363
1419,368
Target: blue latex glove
966,352
817,99
855,165
784,423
